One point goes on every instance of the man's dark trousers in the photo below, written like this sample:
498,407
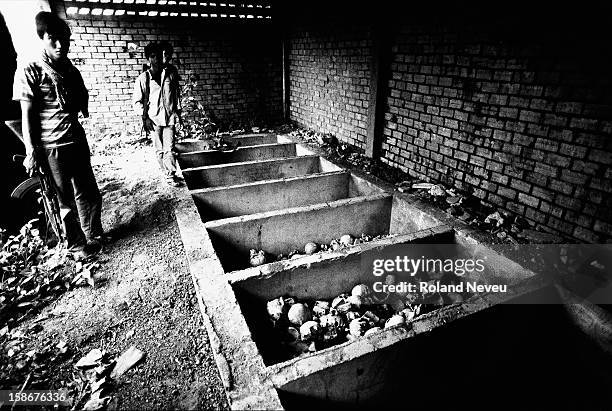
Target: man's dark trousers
77,192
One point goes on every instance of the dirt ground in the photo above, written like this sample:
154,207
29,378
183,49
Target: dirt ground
143,294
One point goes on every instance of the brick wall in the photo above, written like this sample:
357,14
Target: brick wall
329,81
237,68
521,118
523,125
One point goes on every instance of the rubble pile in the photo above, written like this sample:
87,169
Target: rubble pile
22,365
95,376
32,274
507,227
259,257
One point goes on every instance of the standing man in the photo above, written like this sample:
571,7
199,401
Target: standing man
156,99
52,93
171,72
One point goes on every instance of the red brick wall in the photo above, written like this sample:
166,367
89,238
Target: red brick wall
237,67
329,81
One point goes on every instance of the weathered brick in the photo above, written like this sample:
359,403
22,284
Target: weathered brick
507,112
535,215
546,169
586,235
584,124
507,192
568,202
530,116
570,107
600,156
603,227
573,177
516,208
528,200
520,185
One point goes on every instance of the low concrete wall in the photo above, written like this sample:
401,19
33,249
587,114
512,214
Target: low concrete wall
245,140
240,366
249,153
262,196
323,275
282,231
239,173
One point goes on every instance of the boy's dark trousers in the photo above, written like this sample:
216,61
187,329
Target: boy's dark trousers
77,191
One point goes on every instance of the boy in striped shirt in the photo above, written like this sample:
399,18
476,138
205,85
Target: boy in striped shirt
52,93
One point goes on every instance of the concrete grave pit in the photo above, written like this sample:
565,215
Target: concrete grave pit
273,195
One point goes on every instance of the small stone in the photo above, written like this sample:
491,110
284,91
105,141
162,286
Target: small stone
453,199
426,186
437,191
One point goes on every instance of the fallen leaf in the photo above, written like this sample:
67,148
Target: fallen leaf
90,360
100,383
96,404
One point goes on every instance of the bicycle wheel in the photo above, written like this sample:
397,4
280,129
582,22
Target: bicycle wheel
36,206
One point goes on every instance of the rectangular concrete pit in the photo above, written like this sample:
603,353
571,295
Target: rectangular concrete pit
325,275
250,153
249,171
400,365
261,196
477,353
279,232
375,370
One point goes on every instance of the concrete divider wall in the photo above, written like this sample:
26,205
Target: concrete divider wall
249,153
282,231
238,173
262,196
186,146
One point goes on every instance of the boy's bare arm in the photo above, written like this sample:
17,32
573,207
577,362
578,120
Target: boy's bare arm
30,126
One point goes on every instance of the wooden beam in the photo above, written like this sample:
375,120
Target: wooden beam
379,75
285,68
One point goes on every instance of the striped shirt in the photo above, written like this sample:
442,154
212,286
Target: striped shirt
57,127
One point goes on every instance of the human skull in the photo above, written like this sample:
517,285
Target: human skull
309,330
346,240
298,314
397,319
332,325
276,308
355,300
341,303
358,327
362,290
310,248
372,331
320,308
